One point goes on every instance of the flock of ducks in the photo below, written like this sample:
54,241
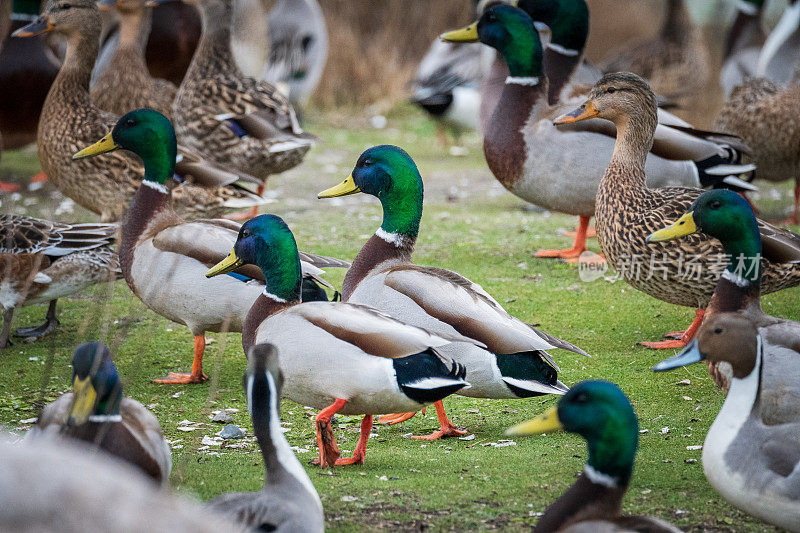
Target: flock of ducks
157,159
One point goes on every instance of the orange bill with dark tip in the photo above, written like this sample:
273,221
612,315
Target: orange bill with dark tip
37,27
584,112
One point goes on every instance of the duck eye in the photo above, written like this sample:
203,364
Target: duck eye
718,330
130,122
366,163
491,17
66,6
611,90
716,204
581,398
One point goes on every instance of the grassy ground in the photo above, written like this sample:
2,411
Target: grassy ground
472,225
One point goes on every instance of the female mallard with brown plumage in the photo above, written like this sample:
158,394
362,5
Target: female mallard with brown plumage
41,261
164,258
70,120
599,412
97,413
245,123
628,211
125,84
560,168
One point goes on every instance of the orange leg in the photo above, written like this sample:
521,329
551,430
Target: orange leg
326,442
591,233
197,375
396,418
794,220
361,447
577,248
684,339
447,428
8,187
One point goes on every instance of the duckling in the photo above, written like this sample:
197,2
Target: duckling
754,463
163,257
97,413
509,358
69,120
41,261
599,412
337,356
628,211
288,500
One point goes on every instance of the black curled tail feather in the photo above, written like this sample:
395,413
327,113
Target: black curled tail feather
726,171
428,377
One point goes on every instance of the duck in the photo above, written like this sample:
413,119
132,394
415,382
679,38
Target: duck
340,357
509,358
757,110
246,123
42,261
288,500
70,120
125,83
753,463
560,168
96,413
728,218
743,44
676,62
27,70
298,47
163,257
67,487
628,211
599,412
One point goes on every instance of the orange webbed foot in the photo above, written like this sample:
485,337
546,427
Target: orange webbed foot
175,378
396,418
665,345
443,433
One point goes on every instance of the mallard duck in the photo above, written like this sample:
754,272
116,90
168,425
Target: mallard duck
97,413
676,62
599,412
742,45
56,486
125,84
41,261
288,500
560,168
778,58
753,462
245,123
628,211
298,47
335,356
27,70
163,257
69,121
763,115
508,359
726,216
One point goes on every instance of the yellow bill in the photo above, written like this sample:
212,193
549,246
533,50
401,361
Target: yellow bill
348,186
468,34
229,264
547,422
84,398
104,145
684,226
584,112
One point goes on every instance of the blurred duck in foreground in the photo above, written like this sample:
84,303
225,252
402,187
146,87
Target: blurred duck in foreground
96,412
599,412
726,216
335,356
61,487
288,500
507,359
41,261
628,211
752,461
70,120
560,168
164,257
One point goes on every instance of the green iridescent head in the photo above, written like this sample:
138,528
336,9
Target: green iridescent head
568,20
148,134
388,173
96,387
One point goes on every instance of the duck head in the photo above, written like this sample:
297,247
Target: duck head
568,21
96,388
67,17
389,174
617,97
601,413
267,242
